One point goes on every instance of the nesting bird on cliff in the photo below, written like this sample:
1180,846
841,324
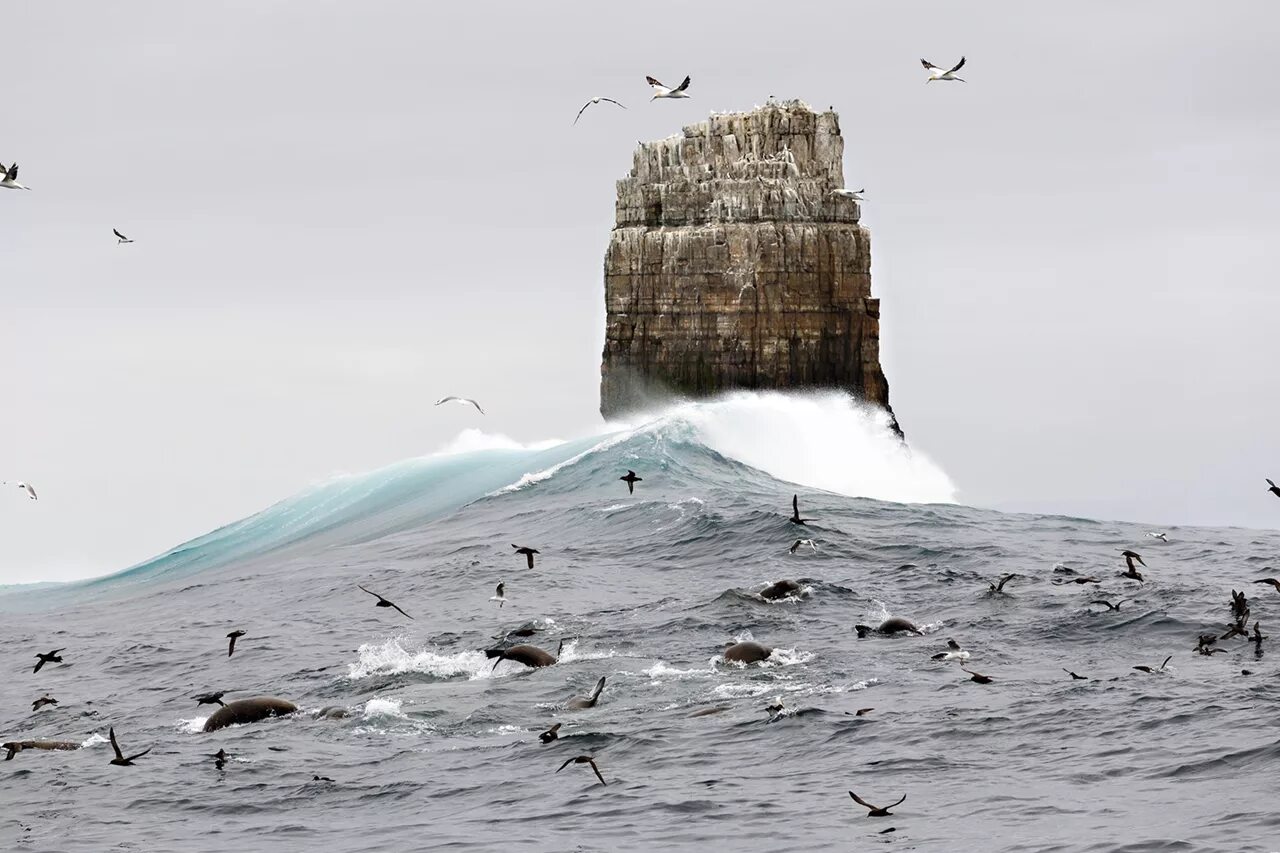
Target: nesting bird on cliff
597,99
936,73
661,91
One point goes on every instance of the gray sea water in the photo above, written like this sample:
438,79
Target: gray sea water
440,751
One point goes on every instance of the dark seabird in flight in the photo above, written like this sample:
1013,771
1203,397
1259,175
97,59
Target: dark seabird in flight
631,479
1257,635
999,587
1080,580
527,553
584,759
41,702
1275,583
978,677
120,237
876,811
550,734
211,698
51,657
795,511
1151,670
1108,604
1274,489
1132,573
1075,677
120,760
231,646
382,602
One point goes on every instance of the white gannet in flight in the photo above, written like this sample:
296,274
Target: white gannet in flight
1163,537
26,487
10,179
661,91
465,401
852,195
501,597
936,73
594,100
122,238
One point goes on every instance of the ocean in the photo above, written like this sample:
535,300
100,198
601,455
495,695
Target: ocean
439,749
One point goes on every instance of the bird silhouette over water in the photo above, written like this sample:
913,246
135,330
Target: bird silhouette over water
795,512
211,698
120,760
977,677
120,238
232,637
1108,604
1075,677
1272,581
999,587
584,759
550,734
1273,488
51,657
1151,670
382,602
41,702
527,553
1132,573
631,479
877,811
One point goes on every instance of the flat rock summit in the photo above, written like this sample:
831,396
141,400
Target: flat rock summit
731,266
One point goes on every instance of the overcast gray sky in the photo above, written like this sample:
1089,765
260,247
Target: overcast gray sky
344,211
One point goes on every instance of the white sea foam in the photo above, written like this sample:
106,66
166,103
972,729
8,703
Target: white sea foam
391,658
95,739
376,708
195,725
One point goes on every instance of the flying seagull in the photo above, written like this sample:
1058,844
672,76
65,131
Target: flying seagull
26,487
527,552
803,543
795,511
594,100
851,195
954,652
466,401
500,597
659,90
120,760
936,73
584,759
10,179
120,237
1275,490
631,479
231,646
51,657
876,811
382,602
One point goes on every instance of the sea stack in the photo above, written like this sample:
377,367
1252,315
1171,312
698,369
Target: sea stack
732,266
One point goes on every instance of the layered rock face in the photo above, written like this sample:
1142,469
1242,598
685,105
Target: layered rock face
732,266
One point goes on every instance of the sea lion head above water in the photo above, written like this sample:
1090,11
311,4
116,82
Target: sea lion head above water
780,589
747,652
892,625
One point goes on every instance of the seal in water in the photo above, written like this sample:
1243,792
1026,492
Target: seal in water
332,712
747,652
876,811
780,589
580,702
527,655
893,625
16,746
248,711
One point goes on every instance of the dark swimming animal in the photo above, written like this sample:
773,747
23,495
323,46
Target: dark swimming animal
780,589
978,677
863,711
584,759
332,712
876,811
321,779
41,702
211,698
999,587
747,652
16,746
1160,668
579,702
631,479
220,758
382,602
527,553
51,657
120,760
248,711
1081,580
795,512
233,636
1075,677
531,656
550,734
892,625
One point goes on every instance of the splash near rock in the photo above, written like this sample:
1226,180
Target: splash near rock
732,266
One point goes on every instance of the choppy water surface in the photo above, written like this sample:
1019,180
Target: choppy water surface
441,752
